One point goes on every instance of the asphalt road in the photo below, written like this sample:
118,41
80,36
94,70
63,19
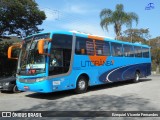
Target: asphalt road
121,96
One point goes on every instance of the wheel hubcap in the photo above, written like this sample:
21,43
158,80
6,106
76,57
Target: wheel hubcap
81,85
137,77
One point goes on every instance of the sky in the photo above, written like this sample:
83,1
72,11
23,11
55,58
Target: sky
83,15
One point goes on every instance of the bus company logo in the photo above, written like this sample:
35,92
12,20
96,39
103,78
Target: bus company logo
149,6
88,63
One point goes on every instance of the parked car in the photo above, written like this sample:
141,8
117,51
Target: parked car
8,84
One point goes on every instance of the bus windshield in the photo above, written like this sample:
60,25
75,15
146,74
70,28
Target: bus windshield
30,61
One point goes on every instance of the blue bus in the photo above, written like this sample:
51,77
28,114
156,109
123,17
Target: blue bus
64,60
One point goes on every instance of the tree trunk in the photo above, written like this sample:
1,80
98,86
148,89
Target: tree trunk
117,29
157,69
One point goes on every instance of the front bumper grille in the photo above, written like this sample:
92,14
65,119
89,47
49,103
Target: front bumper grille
27,80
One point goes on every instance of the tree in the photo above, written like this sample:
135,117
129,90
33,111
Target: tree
156,58
155,42
20,17
155,52
8,66
118,17
137,35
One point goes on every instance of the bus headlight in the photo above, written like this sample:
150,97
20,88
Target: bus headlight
39,79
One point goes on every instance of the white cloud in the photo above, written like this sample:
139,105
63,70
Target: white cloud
78,8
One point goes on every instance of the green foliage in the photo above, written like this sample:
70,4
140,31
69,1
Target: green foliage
155,52
118,18
8,66
20,16
156,55
136,35
155,42
156,58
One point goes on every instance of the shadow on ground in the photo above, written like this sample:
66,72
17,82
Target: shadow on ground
103,102
97,102
92,102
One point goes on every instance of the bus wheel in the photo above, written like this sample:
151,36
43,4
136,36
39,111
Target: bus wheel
82,85
15,89
137,76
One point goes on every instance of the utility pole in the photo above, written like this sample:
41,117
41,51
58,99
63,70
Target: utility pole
148,37
131,36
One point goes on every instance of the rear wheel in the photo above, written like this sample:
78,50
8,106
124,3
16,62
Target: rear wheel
137,76
82,85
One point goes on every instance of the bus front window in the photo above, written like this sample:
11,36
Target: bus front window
30,61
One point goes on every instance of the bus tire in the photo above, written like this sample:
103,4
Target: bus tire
136,78
82,85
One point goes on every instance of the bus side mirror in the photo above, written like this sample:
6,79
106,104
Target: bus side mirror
41,46
10,49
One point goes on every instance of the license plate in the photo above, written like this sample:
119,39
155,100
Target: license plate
56,82
26,87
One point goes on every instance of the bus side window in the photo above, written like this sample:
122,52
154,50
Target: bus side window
138,51
102,48
84,46
128,50
117,49
145,52
80,46
90,47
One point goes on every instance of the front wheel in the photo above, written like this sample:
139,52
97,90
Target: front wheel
82,85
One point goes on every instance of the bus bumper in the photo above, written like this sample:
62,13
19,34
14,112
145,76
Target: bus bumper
42,87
